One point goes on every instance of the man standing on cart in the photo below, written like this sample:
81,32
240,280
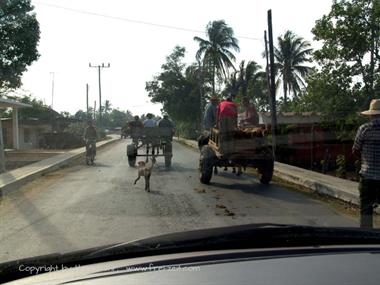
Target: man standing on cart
227,123
209,120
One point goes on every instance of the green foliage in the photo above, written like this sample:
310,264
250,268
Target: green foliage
111,118
19,36
215,51
38,110
249,81
341,166
118,118
187,130
80,115
178,89
350,37
76,129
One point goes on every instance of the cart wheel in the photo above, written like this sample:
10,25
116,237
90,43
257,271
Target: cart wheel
132,160
266,171
168,161
131,153
206,164
168,155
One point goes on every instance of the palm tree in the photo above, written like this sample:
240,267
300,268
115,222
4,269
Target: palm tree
215,52
232,85
291,54
249,75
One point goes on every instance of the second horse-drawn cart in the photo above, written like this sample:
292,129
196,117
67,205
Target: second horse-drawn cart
149,142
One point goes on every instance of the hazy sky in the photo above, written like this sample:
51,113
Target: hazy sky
73,34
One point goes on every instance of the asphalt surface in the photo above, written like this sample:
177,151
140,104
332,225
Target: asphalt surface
85,206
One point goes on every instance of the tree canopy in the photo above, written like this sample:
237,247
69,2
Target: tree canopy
178,88
19,36
350,34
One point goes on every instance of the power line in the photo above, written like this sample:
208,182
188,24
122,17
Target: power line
133,21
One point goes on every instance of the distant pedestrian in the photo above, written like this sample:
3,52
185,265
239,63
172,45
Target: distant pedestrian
367,147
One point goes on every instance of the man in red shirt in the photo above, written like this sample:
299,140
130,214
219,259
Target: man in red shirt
227,123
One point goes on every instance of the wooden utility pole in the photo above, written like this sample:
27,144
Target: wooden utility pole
87,115
95,110
2,156
99,67
52,90
272,81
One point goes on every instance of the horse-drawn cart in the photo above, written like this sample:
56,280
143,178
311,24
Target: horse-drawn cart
147,142
238,148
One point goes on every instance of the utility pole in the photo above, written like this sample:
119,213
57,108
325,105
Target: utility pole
2,156
200,77
87,115
273,115
52,89
95,110
272,81
99,67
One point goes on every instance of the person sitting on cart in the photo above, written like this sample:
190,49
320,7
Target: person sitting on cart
134,127
227,123
90,136
165,122
251,117
150,122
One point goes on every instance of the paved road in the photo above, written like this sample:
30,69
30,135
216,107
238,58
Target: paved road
81,206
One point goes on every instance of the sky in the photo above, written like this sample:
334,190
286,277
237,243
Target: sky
134,37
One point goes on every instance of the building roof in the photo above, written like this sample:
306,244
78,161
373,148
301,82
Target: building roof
8,103
291,118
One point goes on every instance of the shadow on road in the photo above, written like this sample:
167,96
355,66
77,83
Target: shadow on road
97,164
271,191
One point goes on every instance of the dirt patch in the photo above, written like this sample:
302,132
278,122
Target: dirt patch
200,190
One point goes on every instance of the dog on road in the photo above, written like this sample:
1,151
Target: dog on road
145,170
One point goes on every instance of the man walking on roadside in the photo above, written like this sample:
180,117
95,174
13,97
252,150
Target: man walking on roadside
367,147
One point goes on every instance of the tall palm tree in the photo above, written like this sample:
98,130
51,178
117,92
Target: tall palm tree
291,54
215,51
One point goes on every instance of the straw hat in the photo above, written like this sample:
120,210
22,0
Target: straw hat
374,108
